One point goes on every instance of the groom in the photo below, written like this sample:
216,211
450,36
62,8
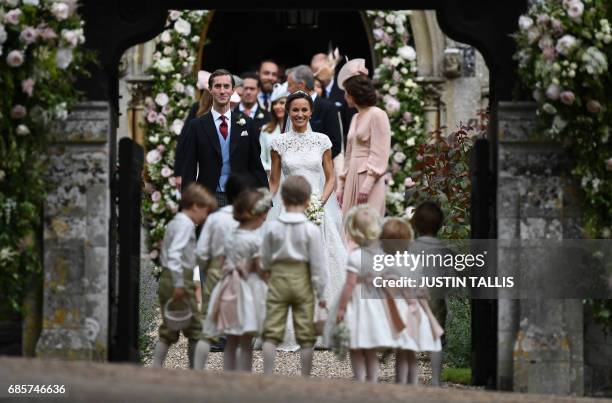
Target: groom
222,142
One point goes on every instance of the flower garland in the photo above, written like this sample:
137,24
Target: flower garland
40,58
564,48
400,96
173,95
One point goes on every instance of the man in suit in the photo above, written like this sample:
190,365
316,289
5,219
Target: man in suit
222,142
325,70
324,116
249,105
268,76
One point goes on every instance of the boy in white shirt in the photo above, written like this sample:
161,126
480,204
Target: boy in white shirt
178,259
292,252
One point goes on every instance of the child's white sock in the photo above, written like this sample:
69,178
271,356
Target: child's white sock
371,365
159,355
201,355
436,367
401,367
269,353
245,356
413,369
358,364
229,353
306,358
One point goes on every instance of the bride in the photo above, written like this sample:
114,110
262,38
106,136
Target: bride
300,151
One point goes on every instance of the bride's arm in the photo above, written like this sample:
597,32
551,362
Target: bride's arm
330,176
275,172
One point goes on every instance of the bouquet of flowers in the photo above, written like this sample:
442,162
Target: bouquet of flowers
315,212
340,340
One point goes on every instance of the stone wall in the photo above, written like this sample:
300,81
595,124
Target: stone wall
77,236
540,341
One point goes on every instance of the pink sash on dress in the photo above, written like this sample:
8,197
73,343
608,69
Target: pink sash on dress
225,310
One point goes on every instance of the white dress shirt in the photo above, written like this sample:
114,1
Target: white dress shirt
329,87
217,225
178,247
292,237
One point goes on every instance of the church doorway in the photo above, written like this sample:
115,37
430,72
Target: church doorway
238,40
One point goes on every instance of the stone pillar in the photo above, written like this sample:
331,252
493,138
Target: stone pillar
432,91
77,236
536,200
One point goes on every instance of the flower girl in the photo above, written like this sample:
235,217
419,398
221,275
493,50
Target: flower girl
372,321
237,304
422,331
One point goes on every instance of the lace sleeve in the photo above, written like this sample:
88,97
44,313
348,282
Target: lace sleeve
324,143
278,145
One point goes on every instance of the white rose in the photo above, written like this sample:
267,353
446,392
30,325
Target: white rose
2,34
179,87
164,65
14,58
174,15
393,90
153,156
525,23
395,61
22,130
533,34
390,19
409,212
35,3
575,10
190,91
161,99
60,11
72,36
63,58
407,52
167,51
166,37
553,91
182,27
399,29
410,142
566,44
399,157
177,126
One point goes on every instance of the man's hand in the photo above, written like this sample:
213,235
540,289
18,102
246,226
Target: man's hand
179,294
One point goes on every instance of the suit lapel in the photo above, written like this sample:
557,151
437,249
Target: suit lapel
235,131
211,131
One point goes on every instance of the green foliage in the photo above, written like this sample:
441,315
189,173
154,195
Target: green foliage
42,59
457,375
564,54
458,333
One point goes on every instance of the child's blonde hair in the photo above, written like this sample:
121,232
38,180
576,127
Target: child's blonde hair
251,203
362,224
197,194
396,235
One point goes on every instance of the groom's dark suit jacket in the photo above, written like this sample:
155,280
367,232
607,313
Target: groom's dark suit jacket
325,120
202,149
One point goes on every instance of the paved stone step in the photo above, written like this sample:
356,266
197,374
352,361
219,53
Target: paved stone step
93,382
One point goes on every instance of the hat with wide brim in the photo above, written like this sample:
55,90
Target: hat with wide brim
352,68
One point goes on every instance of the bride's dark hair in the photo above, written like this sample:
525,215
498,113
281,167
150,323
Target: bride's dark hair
299,95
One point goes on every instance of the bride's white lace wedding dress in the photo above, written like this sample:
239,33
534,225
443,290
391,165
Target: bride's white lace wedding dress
302,154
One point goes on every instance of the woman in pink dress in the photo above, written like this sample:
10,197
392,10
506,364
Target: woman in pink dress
368,142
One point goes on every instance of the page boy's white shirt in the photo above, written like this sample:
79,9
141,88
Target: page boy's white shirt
212,237
178,248
291,237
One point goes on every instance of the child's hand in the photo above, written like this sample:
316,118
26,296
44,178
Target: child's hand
264,275
340,315
322,303
179,293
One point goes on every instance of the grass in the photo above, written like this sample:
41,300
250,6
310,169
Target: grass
457,375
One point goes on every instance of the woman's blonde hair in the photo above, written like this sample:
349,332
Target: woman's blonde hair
362,224
197,194
396,235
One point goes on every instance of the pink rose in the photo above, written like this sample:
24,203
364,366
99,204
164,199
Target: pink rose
392,105
161,148
166,172
14,58
153,156
543,19
378,34
48,34
557,26
27,86
549,53
593,106
172,181
60,11
387,39
13,16
166,109
28,35
156,196
567,97
379,22
575,10
18,112
149,188
154,254
407,117
151,116
408,182
172,206
161,119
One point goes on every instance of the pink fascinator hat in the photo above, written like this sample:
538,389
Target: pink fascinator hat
352,68
203,76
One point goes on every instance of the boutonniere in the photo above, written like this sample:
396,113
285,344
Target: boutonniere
241,122
260,115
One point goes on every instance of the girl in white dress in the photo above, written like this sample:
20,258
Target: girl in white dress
274,127
363,307
238,301
422,331
300,151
